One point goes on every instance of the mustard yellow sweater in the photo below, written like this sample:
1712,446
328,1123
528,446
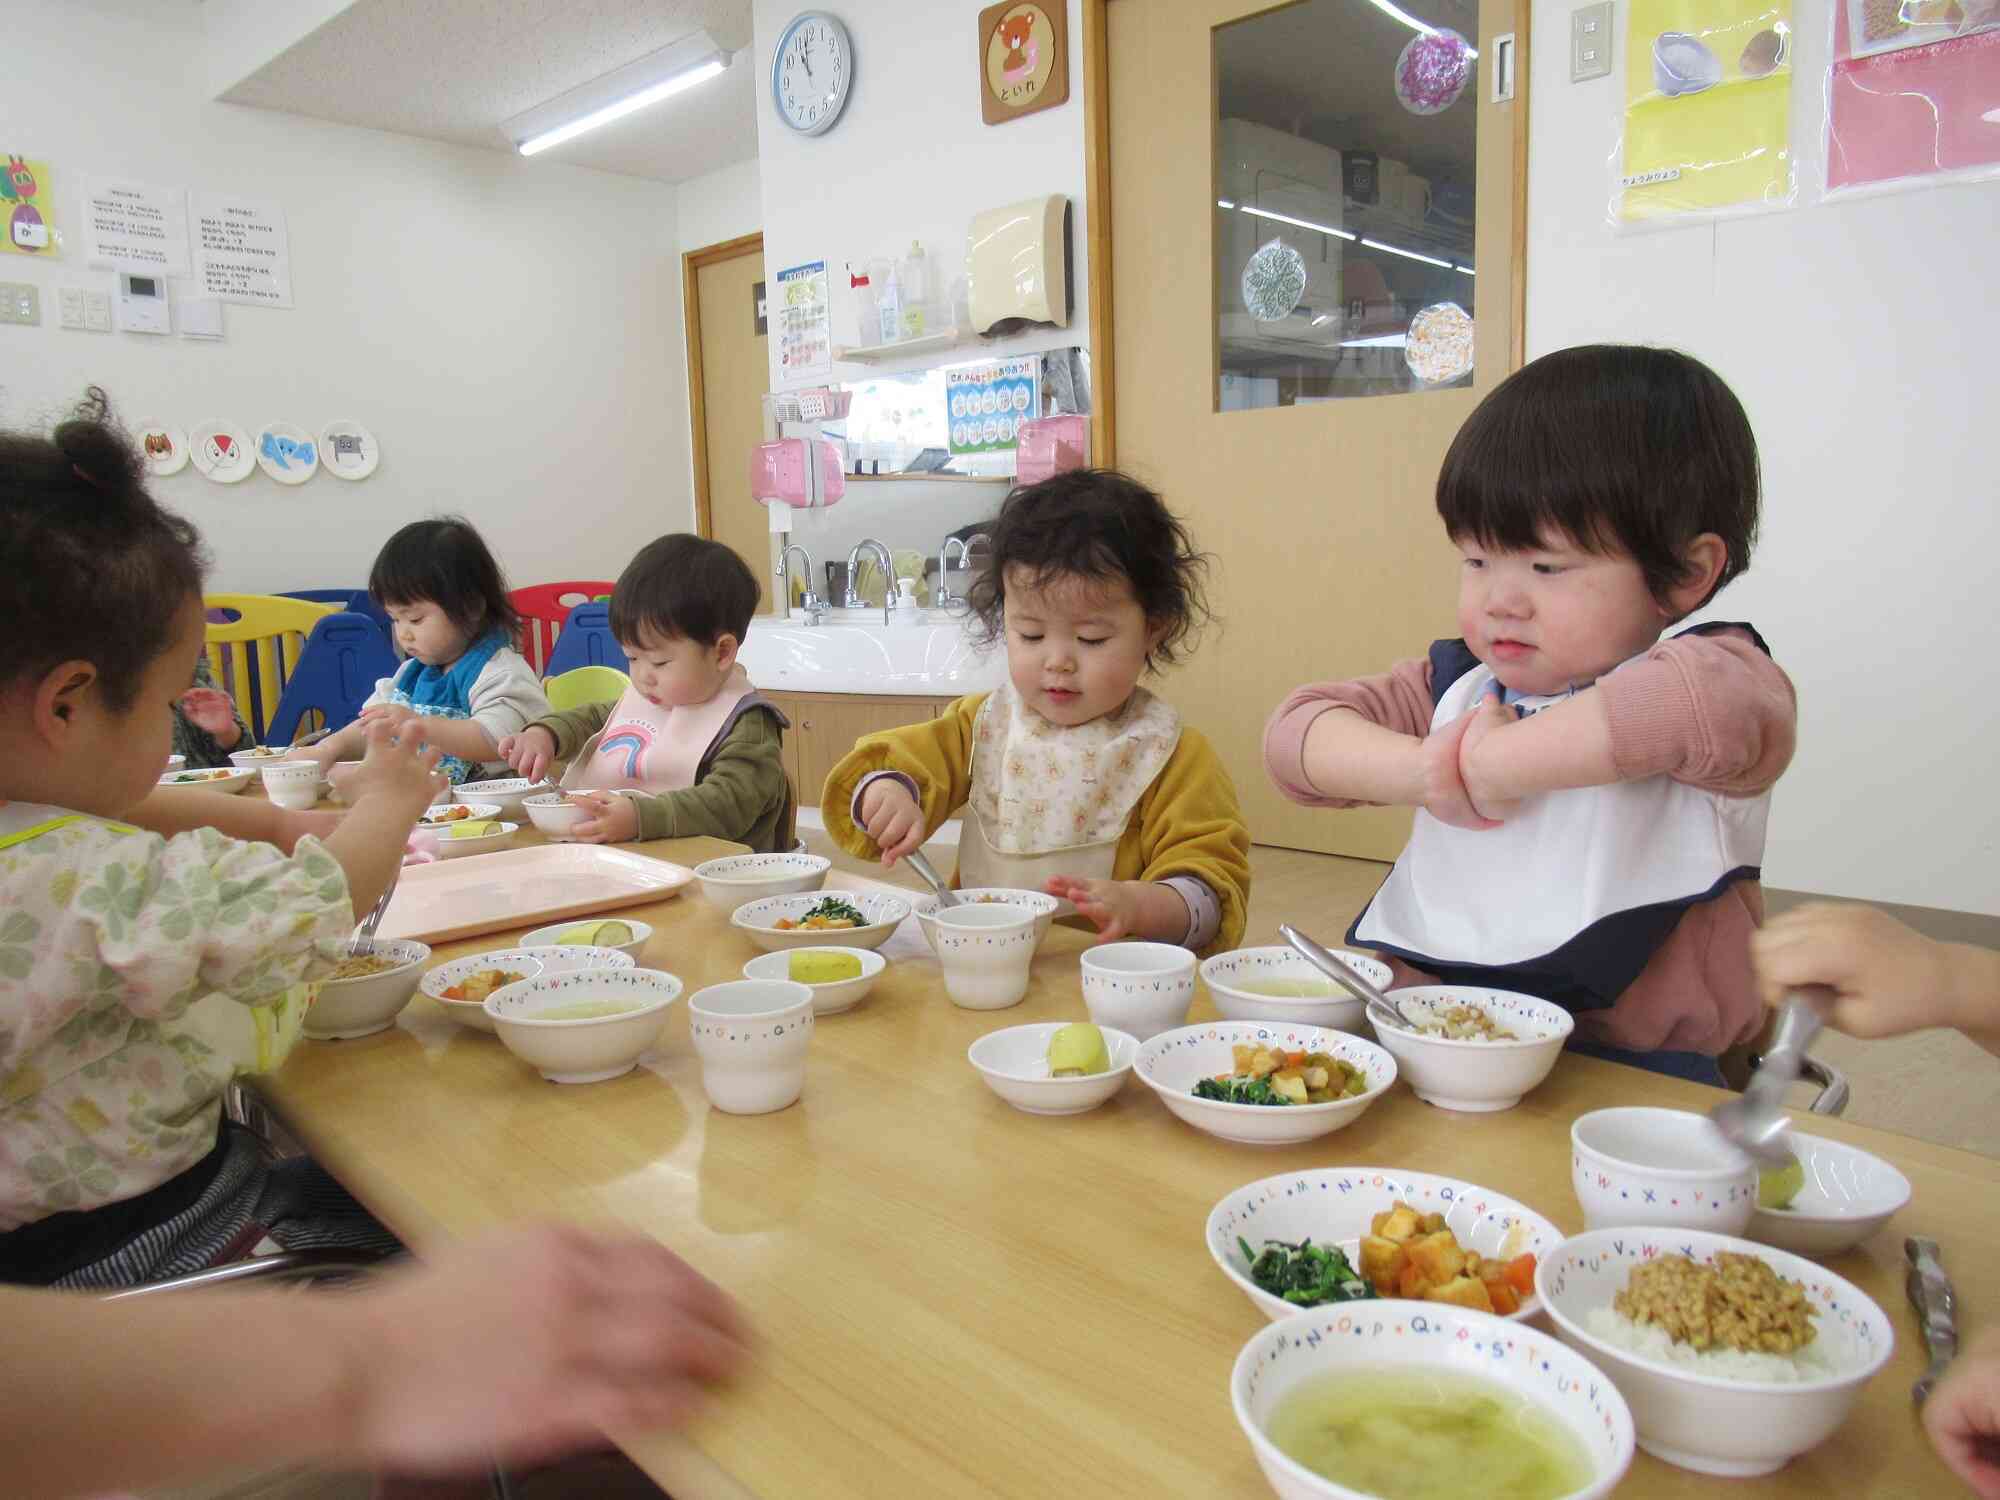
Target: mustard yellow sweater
1186,823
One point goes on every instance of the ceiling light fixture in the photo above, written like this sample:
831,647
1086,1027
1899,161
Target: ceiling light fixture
1265,213
1389,8
1382,341
1429,260
658,75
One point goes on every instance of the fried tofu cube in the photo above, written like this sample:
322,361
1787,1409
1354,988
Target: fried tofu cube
1399,1223
1290,1084
1437,1256
1410,1283
1242,1053
1266,1062
1463,1291
1382,1262
1432,1223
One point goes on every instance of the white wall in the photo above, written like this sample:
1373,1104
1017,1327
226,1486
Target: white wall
725,204
910,158
509,330
1859,335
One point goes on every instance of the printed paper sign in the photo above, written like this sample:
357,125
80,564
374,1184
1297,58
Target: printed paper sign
987,403
130,226
243,249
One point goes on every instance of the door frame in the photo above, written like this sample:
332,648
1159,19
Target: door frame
691,263
1097,185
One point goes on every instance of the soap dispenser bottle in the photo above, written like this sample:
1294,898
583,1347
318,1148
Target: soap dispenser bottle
914,278
888,299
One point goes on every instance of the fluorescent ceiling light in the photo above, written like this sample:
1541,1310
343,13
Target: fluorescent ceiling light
659,75
1389,8
1466,270
1224,203
1382,341
1429,260
1265,213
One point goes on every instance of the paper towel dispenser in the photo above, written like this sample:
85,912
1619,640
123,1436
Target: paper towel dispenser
1017,262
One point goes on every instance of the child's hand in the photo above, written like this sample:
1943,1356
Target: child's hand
1114,907
397,767
535,1343
1886,978
891,817
210,711
1963,1417
395,715
613,820
528,752
1491,714
1445,794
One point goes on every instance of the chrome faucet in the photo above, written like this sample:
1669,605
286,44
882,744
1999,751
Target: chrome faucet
945,597
813,606
854,599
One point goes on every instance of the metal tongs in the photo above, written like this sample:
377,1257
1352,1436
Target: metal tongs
1381,1009
1755,1121
363,940
1931,1295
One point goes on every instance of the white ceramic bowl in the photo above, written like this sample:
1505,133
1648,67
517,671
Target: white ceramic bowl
985,951
359,1007
752,1036
214,779
525,960
757,920
1044,906
1477,1076
452,848
259,756
583,1050
1709,1423
1337,1205
1659,1167
1226,973
292,784
508,793
737,879
832,996
1015,1064
1425,1336
474,812
178,763
1174,1061
1141,988
1848,1195
546,937
555,814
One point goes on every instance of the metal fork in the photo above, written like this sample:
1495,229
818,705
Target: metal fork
363,940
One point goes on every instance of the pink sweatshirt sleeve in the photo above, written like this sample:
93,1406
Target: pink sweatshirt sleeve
1713,711
1398,699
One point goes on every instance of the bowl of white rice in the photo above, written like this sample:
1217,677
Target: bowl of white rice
1716,1410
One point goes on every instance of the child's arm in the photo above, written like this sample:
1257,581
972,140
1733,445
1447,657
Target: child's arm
553,737
468,739
182,810
396,781
531,1343
505,699
937,759
1886,978
744,781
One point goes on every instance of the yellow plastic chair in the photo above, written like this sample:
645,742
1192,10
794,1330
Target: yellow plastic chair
253,655
584,685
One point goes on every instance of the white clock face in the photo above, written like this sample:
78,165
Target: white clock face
812,72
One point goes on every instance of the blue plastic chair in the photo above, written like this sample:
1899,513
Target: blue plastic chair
343,658
359,601
585,641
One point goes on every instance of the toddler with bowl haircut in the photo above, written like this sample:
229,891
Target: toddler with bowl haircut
1076,780
139,974
1591,793
691,748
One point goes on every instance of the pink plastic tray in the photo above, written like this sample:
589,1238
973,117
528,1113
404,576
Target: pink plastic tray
458,898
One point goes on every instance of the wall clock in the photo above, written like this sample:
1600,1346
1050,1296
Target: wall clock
812,72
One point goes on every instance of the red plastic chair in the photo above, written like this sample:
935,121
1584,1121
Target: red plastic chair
544,607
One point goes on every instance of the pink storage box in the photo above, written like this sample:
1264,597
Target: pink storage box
1046,446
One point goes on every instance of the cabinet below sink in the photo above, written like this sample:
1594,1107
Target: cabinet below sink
826,725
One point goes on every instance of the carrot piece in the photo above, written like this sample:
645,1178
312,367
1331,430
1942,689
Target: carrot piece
1295,1059
1505,1300
1520,1274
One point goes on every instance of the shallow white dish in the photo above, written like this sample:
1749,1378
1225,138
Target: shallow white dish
1174,1061
738,879
1224,973
530,962
545,937
1710,1423
583,1050
452,848
555,814
1477,1076
1337,1205
832,996
1427,1336
1847,1196
346,1008
1014,1062
474,811
214,779
178,763
507,793
756,920
259,756
1045,907
1660,1168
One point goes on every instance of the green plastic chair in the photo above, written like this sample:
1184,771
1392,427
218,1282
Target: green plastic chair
584,685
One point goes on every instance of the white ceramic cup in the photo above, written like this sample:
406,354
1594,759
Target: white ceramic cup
292,784
1661,1168
751,1036
1141,988
985,950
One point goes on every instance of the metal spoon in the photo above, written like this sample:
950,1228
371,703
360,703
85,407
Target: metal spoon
1380,1007
1754,1121
363,940
1937,1305
916,861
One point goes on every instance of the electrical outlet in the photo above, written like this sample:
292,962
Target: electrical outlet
1590,41
20,302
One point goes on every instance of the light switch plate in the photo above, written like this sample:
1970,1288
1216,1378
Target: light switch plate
97,311
69,306
1590,41
20,302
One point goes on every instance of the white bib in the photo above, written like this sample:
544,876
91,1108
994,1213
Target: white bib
1562,863
650,748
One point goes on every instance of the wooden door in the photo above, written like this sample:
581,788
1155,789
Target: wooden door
728,373
1317,505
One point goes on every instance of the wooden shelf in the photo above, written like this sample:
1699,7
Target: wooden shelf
876,354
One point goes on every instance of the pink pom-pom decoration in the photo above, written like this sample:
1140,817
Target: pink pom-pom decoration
1433,71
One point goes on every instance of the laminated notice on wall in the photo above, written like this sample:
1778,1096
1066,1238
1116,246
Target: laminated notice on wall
241,249
1914,92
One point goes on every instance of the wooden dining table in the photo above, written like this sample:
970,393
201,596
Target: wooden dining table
953,1298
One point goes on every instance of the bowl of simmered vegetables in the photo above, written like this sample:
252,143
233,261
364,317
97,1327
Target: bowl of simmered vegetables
1265,1085
853,919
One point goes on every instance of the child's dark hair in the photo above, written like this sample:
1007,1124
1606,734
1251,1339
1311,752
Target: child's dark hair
446,563
686,586
1102,525
95,569
1619,448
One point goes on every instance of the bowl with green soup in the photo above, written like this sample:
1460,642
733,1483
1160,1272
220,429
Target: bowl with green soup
1425,1401
583,1025
1278,985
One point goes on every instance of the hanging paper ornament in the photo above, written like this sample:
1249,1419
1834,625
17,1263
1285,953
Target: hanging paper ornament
1439,345
1274,278
1433,71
